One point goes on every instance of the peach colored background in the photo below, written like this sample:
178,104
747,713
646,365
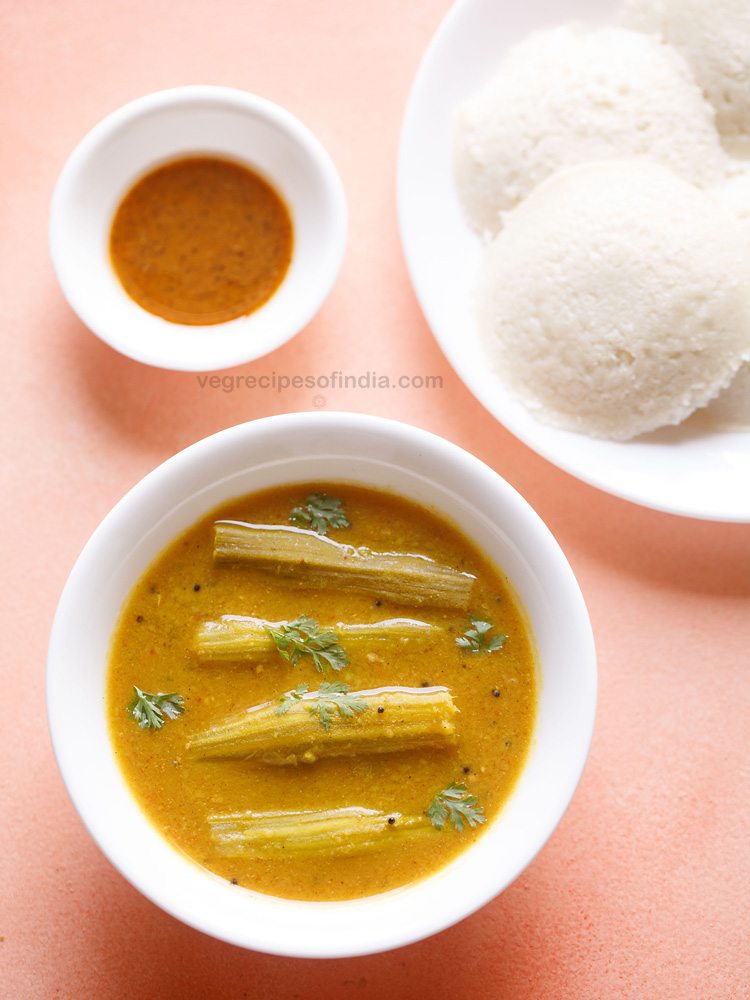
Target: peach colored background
643,890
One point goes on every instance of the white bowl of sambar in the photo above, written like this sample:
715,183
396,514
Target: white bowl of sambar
338,683
197,228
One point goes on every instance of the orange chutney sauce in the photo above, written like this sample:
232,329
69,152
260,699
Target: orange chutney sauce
201,241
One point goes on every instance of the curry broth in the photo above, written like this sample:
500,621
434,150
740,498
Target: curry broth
495,693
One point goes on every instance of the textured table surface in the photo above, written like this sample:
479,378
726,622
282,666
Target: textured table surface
643,890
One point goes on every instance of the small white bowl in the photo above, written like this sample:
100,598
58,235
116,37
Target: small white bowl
190,121
306,447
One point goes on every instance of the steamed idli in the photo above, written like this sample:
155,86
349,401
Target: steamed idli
731,409
566,96
614,301
734,196
714,38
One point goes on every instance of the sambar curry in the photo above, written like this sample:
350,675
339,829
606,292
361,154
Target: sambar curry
321,692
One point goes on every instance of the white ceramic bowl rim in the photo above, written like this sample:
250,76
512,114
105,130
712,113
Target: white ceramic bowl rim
196,120
286,449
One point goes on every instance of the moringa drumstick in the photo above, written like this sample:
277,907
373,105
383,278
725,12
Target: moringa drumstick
303,726
317,561
333,832
239,637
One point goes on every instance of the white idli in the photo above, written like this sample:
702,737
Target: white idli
714,38
614,302
566,96
731,409
734,196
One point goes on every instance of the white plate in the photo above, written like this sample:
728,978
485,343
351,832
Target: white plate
686,470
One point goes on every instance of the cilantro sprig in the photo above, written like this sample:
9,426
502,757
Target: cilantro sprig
333,698
326,702
151,711
457,804
304,637
320,513
477,638
291,698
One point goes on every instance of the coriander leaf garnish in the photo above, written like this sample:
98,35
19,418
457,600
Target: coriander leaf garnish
320,512
325,702
335,697
304,637
291,698
457,804
477,639
151,711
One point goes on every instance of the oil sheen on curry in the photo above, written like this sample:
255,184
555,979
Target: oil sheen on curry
201,240
322,692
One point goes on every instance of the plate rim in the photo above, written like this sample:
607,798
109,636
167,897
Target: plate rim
543,448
